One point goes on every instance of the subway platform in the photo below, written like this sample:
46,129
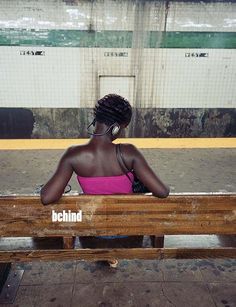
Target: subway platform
200,282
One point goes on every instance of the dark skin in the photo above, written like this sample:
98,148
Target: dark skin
98,158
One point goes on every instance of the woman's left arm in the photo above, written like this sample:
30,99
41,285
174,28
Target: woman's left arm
54,188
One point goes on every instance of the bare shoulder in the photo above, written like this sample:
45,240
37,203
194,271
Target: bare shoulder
131,154
130,149
73,151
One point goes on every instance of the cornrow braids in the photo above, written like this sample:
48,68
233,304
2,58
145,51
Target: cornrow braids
113,108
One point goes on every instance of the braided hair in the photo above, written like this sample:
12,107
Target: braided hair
113,108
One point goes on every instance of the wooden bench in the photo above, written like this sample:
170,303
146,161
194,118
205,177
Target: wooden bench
25,216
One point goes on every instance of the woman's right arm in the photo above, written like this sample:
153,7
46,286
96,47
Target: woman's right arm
145,174
54,188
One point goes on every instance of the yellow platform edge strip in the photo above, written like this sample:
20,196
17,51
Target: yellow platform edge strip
37,144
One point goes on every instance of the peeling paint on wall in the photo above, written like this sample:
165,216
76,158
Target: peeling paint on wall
72,123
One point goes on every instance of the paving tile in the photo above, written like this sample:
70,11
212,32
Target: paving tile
180,270
142,294
41,273
43,296
223,294
55,295
117,294
129,270
218,269
26,297
189,294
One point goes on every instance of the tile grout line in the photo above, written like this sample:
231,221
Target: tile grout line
207,286
210,294
73,286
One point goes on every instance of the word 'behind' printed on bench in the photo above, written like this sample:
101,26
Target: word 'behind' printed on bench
66,216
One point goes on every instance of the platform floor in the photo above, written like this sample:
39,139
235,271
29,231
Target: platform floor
190,283
184,170
135,283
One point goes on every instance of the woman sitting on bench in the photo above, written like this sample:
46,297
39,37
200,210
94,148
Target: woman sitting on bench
99,170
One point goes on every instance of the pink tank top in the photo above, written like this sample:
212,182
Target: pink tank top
106,184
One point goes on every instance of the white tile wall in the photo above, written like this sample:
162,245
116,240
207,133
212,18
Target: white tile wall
102,15
202,16
52,80
173,80
122,85
199,81
118,15
95,63
69,77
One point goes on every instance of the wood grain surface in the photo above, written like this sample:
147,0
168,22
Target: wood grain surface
135,214
120,253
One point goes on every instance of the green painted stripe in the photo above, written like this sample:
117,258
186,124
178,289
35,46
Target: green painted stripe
225,40
115,39
65,38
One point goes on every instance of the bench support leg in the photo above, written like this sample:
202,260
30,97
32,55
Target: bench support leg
68,242
157,241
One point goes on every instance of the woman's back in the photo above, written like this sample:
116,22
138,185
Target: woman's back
98,170
97,158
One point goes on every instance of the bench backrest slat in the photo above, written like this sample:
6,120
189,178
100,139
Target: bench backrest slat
120,214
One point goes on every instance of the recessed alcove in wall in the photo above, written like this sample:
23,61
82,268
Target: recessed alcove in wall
121,85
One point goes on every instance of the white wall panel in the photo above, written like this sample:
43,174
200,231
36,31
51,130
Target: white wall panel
64,77
96,15
202,16
39,81
121,85
69,77
166,77
190,82
43,14
117,15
